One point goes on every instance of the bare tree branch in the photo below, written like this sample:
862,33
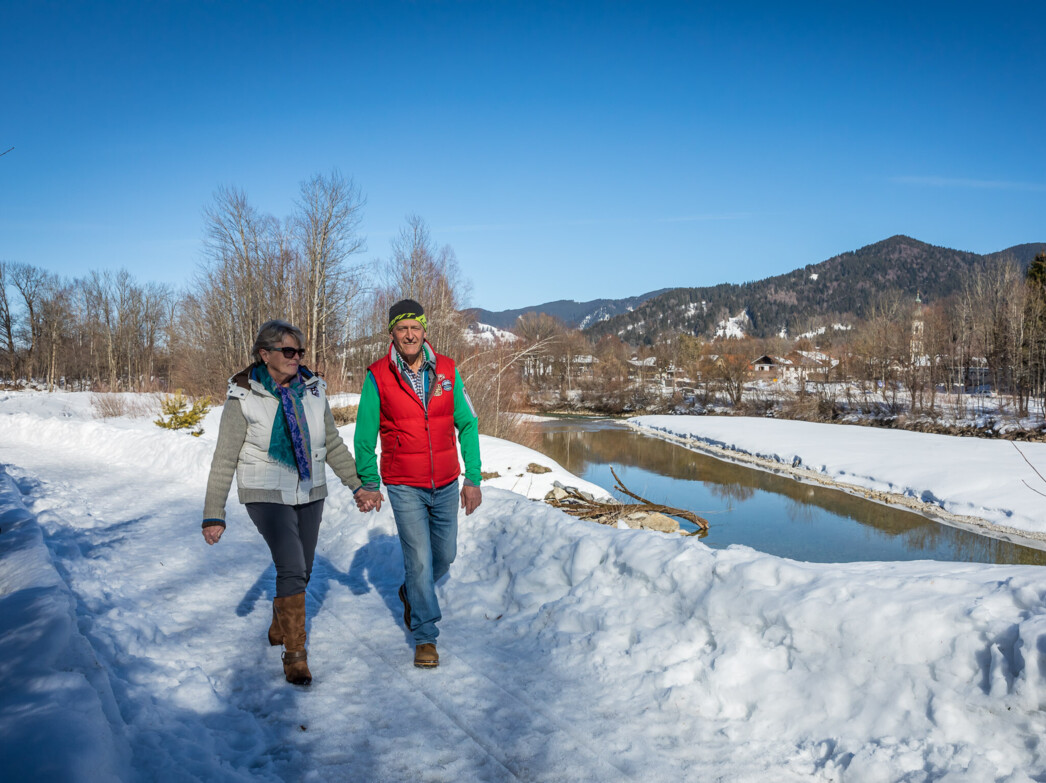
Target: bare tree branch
586,507
1025,483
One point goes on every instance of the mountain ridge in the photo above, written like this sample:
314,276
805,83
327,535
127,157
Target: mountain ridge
571,312
843,286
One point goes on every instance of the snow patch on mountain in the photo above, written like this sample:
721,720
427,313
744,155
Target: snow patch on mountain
735,327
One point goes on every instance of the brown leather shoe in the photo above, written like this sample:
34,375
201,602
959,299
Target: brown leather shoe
425,656
406,606
290,612
275,632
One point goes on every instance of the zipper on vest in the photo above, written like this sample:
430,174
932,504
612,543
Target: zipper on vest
432,457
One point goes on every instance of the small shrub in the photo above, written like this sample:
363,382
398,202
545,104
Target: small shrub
141,406
181,415
758,406
108,406
344,414
808,408
533,467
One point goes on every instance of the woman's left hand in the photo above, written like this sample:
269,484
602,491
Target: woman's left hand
212,534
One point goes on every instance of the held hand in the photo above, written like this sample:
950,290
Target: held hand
367,500
471,497
212,534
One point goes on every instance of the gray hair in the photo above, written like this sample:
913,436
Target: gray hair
272,332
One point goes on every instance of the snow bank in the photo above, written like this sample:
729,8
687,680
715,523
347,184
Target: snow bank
773,669
346,398
55,704
987,480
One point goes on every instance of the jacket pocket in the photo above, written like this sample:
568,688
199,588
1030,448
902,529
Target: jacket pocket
388,456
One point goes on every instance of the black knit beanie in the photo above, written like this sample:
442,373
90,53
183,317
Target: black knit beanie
406,308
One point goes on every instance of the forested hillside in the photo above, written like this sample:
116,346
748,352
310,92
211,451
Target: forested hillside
842,288
577,315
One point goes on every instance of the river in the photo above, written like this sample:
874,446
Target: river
768,512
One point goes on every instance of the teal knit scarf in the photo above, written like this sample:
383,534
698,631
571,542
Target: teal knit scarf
289,441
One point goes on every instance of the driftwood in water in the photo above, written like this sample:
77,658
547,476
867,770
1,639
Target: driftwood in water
585,506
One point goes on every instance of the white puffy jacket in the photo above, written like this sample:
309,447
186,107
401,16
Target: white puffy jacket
255,469
243,448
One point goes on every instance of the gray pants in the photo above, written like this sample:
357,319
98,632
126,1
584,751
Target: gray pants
291,533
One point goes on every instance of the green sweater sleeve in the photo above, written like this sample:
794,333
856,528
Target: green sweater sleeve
468,431
338,456
368,417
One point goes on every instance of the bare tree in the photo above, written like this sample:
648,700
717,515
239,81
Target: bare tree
939,345
545,331
428,274
1036,348
731,365
993,300
30,281
7,321
326,227
247,278
101,300
884,347
54,312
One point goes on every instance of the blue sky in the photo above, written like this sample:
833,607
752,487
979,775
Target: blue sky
564,150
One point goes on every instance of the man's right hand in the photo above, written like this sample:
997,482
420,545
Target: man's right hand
368,500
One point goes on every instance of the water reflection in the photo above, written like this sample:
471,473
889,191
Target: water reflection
768,512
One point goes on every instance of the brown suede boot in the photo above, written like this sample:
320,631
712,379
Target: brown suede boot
425,656
290,611
275,633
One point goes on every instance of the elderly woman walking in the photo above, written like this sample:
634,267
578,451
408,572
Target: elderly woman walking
276,433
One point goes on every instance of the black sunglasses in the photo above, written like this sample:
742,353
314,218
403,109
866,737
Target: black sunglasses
290,353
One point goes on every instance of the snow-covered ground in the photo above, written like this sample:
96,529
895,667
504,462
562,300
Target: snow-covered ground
129,650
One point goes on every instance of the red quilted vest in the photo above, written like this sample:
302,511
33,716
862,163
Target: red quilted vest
418,447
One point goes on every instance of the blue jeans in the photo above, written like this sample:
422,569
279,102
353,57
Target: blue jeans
427,522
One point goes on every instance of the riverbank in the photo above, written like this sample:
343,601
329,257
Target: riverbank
987,487
987,417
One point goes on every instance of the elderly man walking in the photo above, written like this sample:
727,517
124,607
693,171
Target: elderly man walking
414,398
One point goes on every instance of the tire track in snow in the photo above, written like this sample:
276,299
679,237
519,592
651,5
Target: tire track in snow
579,739
488,747
480,722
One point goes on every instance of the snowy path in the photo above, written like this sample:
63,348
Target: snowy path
570,652
180,628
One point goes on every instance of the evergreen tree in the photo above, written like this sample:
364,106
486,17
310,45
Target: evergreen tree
181,414
1037,272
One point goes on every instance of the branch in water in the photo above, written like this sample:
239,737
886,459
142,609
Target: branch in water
584,506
